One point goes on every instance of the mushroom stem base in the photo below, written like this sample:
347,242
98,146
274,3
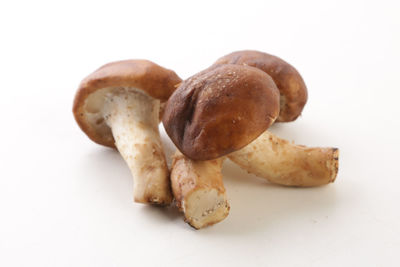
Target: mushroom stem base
199,191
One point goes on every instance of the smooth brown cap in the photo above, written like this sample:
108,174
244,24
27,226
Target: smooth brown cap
216,112
288,80
145,75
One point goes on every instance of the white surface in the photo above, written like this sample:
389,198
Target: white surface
64,201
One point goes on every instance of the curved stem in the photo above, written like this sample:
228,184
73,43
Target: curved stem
284,163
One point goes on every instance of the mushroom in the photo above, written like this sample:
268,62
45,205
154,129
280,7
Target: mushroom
210,115
313,166
293,91
118,106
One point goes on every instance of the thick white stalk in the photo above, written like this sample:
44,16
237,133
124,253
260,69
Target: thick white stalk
199,191
284,163
133,117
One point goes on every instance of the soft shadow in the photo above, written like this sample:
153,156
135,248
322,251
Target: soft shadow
106,171
309,133
158,212
258,206
168,145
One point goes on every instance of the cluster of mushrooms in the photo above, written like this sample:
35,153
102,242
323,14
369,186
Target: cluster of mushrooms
223,111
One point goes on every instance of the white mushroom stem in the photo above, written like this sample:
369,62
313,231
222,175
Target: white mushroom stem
199,191
284,163
133,117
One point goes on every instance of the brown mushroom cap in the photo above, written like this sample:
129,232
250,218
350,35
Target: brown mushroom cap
288,80
219,111
144,75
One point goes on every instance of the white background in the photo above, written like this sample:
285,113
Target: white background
65,201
